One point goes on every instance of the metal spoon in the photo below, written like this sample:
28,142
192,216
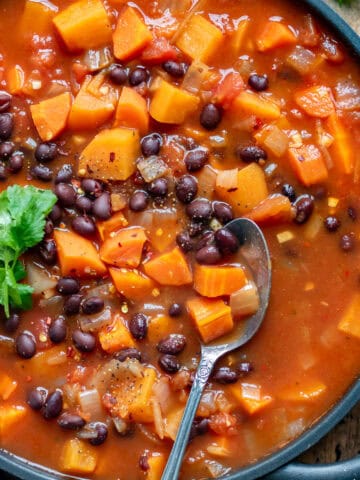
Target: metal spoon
255,251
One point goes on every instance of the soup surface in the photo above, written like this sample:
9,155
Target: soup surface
155,123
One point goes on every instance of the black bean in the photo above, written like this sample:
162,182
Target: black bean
83,341
49,227
5,101
48,251
169,363
37,398
175,69
66,194
172,344
56,213
175,310
208,255
118,74
184,241
53,405
251,153
92,188
196,159
259,83
200,426
25,345
3,171
16,162
210,116
138,75
158,188
304,208
84,226
207,238
352,213
65,174
68,286
71,421
84,204
12,323
125,353
226,241
102,207
289,191
143,462
222,212
151,144
102,433
92,305
43,173
138,201
138,326
72,305
199,210
6,150
186,188
332,223
58,330
46,152
6,125
347,242
225,375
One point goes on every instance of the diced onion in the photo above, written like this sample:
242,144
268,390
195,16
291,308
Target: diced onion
218,451
152,168
216,469
90,403
302,60
98,59
245,301
276,141
39,279
347,95
285,236
88,432
313,226
195,76
158,418
207,181
120,425
95,322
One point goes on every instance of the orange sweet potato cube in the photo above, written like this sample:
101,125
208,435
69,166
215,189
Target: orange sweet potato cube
350,321
115,336
308,164
78,457
250,397
133,284
212,317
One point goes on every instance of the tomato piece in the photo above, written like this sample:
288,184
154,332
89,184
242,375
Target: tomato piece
158,51
228,89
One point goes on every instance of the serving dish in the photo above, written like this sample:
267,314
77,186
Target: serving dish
340,471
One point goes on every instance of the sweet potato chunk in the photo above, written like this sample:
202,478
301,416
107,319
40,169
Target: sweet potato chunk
133,284
350,323
83,25
132,111
342,150
212,317
308,164
275,35
169,268
212,281
315,101
124,249
250,397
111,155
250,103
9,416
78,457
115,336
50,116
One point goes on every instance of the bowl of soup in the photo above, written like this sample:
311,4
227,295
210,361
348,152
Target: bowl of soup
131,134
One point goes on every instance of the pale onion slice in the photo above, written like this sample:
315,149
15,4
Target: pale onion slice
245,301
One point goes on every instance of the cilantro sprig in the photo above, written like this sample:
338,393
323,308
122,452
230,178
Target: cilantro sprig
22,220
344,2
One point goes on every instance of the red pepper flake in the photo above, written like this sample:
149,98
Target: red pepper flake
70,352
28,378
112,157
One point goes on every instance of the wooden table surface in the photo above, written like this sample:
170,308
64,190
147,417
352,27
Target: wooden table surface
344,441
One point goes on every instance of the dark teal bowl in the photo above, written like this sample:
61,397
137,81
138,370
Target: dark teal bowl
276,466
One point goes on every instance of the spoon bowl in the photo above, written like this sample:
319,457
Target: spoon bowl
255,251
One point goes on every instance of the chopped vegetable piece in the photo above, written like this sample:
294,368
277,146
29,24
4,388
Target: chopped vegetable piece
83,25
132,111
303,391
159,51
77,457
113,225
245,301
274,35
171,104
238,37
50,116
274,210
316,101
273,139
213,282
349,322
250,103
9,416
15,80
36,19
200,39
250,397
77,255
111,155
124,248
131,35
308,164
156,463
250,191
115,336
133,396
220,448
133,284
7,386
228,89
158,328
212,317
342,152
93,105
169,268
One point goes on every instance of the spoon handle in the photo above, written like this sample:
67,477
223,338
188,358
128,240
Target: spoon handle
205,367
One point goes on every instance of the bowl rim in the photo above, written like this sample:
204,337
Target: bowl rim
24,469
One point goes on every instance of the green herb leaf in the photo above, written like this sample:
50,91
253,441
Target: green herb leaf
22,220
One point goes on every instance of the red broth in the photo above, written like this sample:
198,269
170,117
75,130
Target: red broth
300,116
